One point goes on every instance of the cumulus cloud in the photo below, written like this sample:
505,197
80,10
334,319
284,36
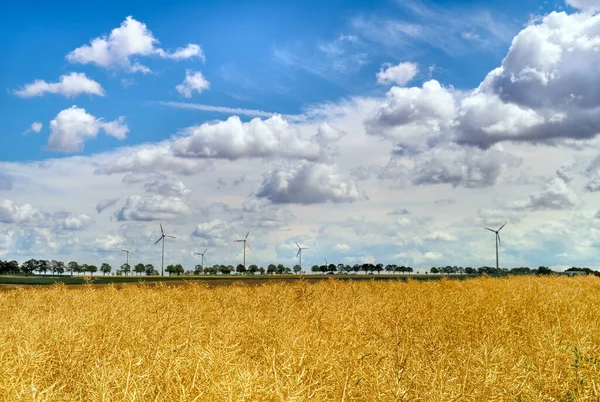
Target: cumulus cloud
414,118
545,89
24,214
232,139
132,38
555,195
76,222
152,208
104,204
194,81
452,164
72,127
148,159
214,233
400,74
69,86
308,183
166,186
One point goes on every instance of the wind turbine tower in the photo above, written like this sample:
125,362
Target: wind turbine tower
299,253
127,251
162,237
202,255
245,244
497,242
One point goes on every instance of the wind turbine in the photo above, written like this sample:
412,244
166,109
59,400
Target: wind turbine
127,251
162,237
202,254
497,242
299,253
245,244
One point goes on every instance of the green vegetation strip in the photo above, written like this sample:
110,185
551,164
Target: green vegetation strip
99,280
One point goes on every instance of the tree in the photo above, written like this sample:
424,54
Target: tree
543,271
226,269
126,269
379,268
105,268
170,269
331,268
297,269
72,267
198,270
92,269
287,270
29,266
434,270
356,268
280,269
58,267
314,269
261,270
240,269
271,269
179,269
150,271
139,269
340,268
253,269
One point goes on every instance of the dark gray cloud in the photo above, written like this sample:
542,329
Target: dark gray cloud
104,204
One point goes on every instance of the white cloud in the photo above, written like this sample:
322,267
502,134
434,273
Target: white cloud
400,74
132,38
76,222
414,118
69,86
35,127
183,53
167,187
555,195
232,139
308,183
152,208
585,5
23,214
341,247
150,158
231,110
194,81
72,127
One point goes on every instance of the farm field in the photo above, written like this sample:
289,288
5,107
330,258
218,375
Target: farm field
503,339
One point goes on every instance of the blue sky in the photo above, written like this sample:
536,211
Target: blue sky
380,106
261,55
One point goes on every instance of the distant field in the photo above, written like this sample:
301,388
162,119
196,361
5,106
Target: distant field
487,339
213,280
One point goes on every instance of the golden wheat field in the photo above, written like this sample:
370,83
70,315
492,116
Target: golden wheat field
511,339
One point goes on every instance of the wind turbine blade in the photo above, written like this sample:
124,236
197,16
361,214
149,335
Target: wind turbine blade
491,230
298,252
304,248
161,237
161,229
172,237
499,241
124,250
248,246
238,241
204,252
246,235
297,244
501,227
130,248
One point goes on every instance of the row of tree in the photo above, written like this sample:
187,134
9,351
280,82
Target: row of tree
44,267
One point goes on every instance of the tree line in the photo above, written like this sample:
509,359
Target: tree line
45,267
